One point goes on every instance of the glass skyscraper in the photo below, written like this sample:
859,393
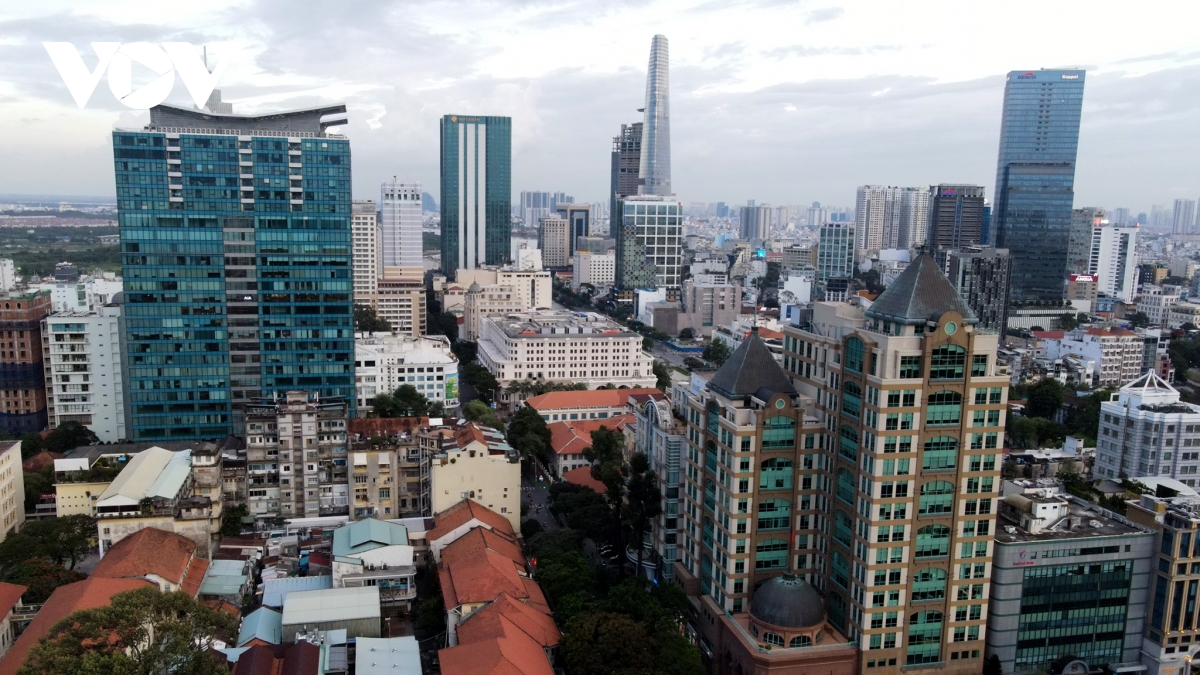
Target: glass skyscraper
654,175
476,172
1035,178
235,242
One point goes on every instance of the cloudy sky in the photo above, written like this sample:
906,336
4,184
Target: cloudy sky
783,102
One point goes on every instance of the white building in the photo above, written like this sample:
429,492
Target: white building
890,217
1116,352
474,462
1156,302
596,269
566,347
1114,259
12,490
382,363
483,302
528,259
364,230
835,252
1145,430
1181,313
84,295
533,288
82,357
400,224
8,275
554,241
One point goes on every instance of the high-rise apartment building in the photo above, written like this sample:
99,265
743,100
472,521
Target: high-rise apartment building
1035,178
654,173
890,217
649,245
1146,429
1113,259
22,373
1183,220
364,227
400,300
579,219
981,277
910,412
626,163
236,255
84,379
1079,241
554,241
756,222
835,251
476,180
400,225
955,216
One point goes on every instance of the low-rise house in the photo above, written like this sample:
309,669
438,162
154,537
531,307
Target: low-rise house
387,656
477,568
275,591
227,580
355,610
10,604
512,652
165,559
570,439
376,553
302,658
585,405
497,618
263,626
458,520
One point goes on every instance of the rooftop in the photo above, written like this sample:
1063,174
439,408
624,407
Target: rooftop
494,620
583,476
331,604
263,624
751,369
559,323
1083,521
921,293
513,654
464,512
290,123
594,398
387,656
154,473
367,535
148,551
575,436
275,591
10,595
301,658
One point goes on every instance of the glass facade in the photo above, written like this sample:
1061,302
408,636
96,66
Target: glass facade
1073,609
1035,178
649,244
654,175
237,265
476,179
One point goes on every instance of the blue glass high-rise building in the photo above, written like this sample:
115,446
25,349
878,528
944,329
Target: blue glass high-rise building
476,172
1035,178
236,254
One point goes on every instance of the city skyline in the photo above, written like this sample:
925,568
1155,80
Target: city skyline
760,107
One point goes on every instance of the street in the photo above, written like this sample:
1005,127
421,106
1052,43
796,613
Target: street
536,493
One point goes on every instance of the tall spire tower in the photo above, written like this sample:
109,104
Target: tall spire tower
654,174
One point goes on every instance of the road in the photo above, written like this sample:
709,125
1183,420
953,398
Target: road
536,493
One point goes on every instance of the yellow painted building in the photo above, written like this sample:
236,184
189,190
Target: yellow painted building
78,498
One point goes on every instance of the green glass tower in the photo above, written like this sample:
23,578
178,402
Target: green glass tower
235,243
476,172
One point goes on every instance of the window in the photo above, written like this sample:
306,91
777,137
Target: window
854,355
910,367
776,474
947,363
929,584
774,514
847,445
841,570
773,639
779,432
924,637
843,527
937,499
996,394
851,399
933,541
771,554
845,486
941,454
800,641
979,365
944,409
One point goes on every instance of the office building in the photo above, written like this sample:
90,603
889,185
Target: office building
1069,581
910,408
476,181
84,372
554,241
384,363
483,302
1079,243
1113,259
560,346
579,219
981,277
1035,178
955,216
365,234
596,269
533,288
649,245
835,251
400,300
626,163
890,217
22,368
1183,218
654,172
756,223
1082,288
663,439
1156,303
257,298
296,454
799,257
400,225
1146,430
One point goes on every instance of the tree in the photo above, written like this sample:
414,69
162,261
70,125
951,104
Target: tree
410,402
528,433
644,502
484,382
444,323
1187,327
366,321
63,541
231,521
1138,320
31,444
991,666
141,631
1045,398
717,351
647,343
687,334
621,640
437,409
1067,321
68,436
1036,329
1084,419
36,485
663,375
478,411
41,577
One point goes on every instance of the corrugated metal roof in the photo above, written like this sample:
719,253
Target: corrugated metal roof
264,624
387,656
275,591
139,476
366,535
332,604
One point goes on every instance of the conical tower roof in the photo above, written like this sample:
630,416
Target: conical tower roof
751,368
921,293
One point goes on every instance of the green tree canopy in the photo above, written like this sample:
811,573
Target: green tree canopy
366,321
478,411
231,520
529,435
662,373
41,577
64,541
717,351
1045,398
623,642
141,631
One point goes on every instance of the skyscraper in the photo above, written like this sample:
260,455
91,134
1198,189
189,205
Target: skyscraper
756,222
1079,240
890,217
654,174
981,277
580,218
476,177
367,267
955,216
626,163
400,225
1184,217
835,251
649,245
1035,178
236,243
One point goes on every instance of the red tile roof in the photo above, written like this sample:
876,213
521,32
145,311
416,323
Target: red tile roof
463,512
1110,332
148,551
301,658
514,654
479,566
223,606
573,437
583,476
40,461
66,600
491,622
194,577
1049,334
10,595
596,398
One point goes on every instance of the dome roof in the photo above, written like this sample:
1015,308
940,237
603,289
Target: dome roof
474,288
789,602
